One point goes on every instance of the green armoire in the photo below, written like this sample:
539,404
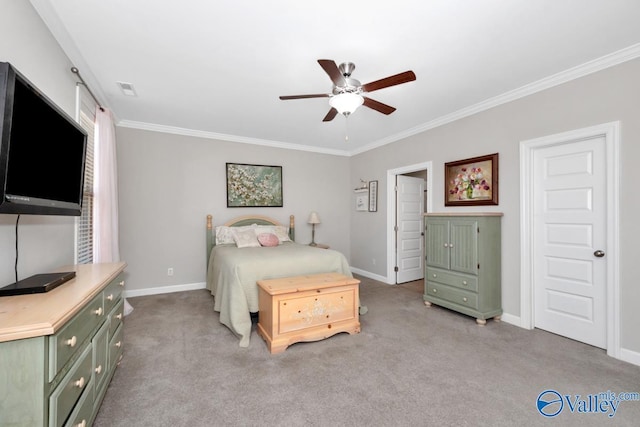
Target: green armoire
463,263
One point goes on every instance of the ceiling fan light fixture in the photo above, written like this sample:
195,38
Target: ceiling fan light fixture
346,103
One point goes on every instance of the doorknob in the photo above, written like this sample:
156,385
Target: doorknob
599,253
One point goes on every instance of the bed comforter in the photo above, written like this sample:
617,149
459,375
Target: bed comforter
233,272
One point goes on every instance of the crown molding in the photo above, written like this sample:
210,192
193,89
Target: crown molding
225,137
599,64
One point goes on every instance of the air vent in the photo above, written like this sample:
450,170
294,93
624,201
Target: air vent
127,89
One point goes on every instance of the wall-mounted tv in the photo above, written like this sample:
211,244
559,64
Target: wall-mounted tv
42,151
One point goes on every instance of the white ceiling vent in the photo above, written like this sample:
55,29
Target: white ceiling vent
127,89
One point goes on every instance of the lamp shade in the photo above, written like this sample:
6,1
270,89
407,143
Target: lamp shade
346,103
314,218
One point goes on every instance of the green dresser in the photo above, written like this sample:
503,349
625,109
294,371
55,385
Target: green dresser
463,263
59,349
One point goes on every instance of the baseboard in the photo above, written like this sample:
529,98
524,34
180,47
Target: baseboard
369,275
511,319
164,289
630,356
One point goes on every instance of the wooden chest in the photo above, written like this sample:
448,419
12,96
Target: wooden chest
307,308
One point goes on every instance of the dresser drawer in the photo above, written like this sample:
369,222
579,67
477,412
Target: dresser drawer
64,343
65,396
116,345
454,295
113,292
466,282
317,308
82,413
115,317
100,344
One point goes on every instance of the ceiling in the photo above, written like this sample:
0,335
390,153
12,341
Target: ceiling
216,68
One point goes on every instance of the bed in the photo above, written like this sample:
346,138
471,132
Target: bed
235,263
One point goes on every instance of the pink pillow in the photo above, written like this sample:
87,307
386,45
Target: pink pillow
268,239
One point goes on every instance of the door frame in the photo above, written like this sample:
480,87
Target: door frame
611,133
391,209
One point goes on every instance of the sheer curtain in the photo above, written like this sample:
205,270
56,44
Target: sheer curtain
105,185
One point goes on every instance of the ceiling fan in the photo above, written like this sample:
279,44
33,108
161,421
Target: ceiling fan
347,93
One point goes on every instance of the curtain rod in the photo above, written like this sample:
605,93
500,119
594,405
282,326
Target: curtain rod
75,71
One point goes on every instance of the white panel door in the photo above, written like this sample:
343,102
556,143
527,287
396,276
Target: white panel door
570,264
410,234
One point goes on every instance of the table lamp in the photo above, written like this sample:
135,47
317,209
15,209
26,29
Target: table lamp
313,220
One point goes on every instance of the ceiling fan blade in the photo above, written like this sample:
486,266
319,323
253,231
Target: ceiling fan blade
330,115
407,76
330,67
315,95
378,106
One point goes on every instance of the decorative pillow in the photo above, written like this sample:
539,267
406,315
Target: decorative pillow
245,238
268,239
224,235
282,232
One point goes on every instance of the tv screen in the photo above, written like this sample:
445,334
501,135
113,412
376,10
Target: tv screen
42,151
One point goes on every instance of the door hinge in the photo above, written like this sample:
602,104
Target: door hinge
478,230
395,228
478,266
395,269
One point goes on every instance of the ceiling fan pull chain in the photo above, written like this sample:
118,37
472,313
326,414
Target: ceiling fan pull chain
346,128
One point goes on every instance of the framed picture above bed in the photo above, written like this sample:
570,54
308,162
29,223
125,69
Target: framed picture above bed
253,186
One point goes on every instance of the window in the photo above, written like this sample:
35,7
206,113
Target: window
84,224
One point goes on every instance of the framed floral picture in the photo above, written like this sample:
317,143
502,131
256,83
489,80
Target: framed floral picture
252,186
471,181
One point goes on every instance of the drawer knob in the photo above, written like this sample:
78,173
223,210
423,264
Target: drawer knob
121,283
71,342
80,382
110,297
435,291
119,316
435,275
464,282
446,245
464,299
98,312
99,369
82,424
119,343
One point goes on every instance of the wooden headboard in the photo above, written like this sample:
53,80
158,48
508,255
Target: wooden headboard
242,221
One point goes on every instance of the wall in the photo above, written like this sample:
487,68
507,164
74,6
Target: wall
169,183
606,96
45,242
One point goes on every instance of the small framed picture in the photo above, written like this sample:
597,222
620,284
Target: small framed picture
373,196
362,203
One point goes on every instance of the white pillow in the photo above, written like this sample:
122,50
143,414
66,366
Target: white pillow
245,238
282,232
224,234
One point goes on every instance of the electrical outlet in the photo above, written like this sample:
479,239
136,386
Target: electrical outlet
170,271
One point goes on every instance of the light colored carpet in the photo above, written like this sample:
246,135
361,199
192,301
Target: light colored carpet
410,365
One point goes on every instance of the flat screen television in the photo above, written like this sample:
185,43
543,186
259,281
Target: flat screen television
42,151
